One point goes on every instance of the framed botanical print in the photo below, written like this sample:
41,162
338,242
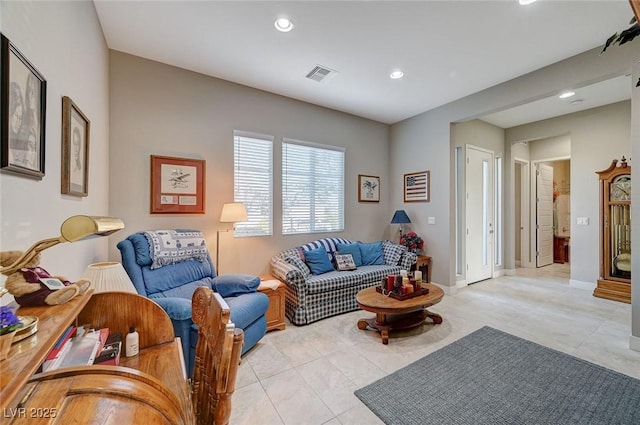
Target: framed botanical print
368,188
177,185
75,150
23,103
416,186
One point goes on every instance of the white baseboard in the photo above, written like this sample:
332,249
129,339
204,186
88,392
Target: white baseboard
448,290
634,343
510,272
498,273
588,286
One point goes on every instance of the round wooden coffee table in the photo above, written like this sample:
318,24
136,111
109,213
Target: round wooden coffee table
392,314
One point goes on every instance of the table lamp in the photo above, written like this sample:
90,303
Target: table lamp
74,228
232,212
400,217
109,276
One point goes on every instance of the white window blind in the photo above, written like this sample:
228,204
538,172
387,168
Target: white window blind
253,182
312,188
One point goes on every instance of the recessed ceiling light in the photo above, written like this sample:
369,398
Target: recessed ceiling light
567,94
283,24
396,74
526,2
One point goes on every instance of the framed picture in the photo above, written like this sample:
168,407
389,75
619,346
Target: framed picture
368,188
75,150
416,186
177,185
23,102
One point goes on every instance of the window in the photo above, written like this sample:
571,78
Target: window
253,182
312,188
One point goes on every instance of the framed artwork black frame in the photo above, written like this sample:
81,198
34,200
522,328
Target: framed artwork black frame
75,149
23,102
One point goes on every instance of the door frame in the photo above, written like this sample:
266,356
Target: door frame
532,200
491,185
525,213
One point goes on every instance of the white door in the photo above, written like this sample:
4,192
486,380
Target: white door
479,214
544,215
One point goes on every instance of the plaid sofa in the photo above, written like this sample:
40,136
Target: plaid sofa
313,297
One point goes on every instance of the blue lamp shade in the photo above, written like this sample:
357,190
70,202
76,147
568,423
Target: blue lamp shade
400,217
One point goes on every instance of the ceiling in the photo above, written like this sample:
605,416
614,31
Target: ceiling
447,49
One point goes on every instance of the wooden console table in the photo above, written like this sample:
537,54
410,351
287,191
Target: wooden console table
424,265
148,388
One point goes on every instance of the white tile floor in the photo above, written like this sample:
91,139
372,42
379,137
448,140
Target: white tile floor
307,375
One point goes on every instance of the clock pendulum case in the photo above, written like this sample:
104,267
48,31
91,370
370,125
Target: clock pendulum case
614,282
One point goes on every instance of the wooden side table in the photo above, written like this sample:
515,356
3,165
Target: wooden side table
424,265
275,312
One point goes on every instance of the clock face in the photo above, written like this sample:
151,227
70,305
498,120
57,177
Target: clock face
621,188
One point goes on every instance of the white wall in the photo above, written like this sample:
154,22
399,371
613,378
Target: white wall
597,136
64,41
162,110
425,141
484,135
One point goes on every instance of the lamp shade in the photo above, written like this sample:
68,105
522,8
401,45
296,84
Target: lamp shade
400,217
233,212
107,277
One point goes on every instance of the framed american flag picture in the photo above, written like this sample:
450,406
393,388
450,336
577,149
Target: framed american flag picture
416,186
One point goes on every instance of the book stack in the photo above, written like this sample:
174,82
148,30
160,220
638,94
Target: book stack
110,353
82,347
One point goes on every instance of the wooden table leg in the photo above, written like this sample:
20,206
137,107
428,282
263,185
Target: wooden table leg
384,325
437,319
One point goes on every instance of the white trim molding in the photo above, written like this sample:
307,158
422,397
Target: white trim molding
588,286
634,342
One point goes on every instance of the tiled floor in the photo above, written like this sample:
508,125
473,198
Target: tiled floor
307,375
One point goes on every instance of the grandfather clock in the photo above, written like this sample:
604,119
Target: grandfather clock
615,232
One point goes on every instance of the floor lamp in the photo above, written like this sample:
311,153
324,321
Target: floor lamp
232,212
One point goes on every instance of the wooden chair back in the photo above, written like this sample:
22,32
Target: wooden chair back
217,358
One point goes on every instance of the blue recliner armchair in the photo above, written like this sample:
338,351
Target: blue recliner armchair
172,287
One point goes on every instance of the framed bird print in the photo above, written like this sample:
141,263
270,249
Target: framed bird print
177,185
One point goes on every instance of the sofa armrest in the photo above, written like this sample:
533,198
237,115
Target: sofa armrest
176,308
407,260
232,285
288,273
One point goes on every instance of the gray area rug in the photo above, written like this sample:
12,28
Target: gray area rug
492,377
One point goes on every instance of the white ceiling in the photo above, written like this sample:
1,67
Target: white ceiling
447,49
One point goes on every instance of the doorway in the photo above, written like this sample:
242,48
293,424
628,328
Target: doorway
479,214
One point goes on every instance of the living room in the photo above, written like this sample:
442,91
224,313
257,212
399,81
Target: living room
139,108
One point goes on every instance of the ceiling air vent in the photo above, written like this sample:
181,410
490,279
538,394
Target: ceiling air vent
320,74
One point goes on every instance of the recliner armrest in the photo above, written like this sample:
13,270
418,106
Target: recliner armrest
176,308
232,285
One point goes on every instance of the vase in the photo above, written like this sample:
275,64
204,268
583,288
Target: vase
5,344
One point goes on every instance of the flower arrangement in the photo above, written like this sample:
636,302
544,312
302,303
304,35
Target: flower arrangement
412,241
9,322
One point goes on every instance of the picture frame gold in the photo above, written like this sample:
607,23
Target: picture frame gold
177,185
76,129
368,188
417,186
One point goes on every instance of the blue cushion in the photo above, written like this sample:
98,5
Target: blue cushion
372,253
353,249
318,261
231,285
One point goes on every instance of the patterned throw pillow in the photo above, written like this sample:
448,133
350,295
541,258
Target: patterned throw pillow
295,260
344,262
174,246
392,253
